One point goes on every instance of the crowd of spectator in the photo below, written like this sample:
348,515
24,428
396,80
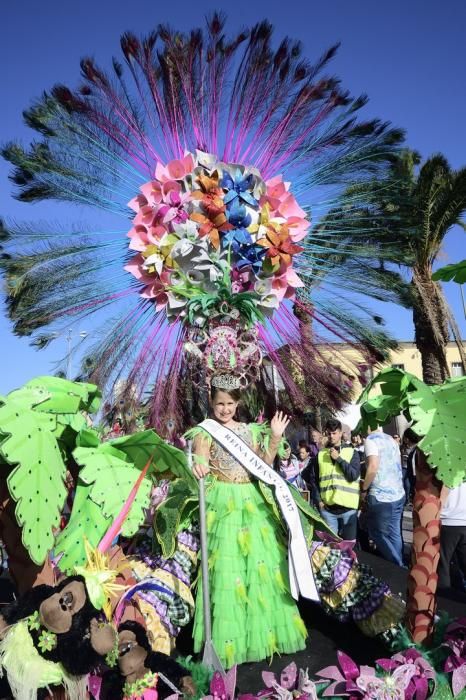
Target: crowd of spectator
361,487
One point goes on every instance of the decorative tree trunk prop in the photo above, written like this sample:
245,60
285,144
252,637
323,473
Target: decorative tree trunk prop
425,553
23,571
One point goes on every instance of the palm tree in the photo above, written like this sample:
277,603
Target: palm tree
438,203
411,217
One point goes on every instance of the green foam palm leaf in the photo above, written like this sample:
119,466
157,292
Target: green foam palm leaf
438,415
65,396
111,477
86,521
139,447
170,515
455,273
36,481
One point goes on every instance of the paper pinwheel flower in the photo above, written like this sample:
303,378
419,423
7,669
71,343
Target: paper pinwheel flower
222,687
238,216
422,681
250,256
237,238
278,244
455,638
290,685
239,187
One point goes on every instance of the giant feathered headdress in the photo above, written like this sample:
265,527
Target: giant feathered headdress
212,151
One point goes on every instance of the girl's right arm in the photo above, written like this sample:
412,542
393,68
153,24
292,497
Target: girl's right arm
201,455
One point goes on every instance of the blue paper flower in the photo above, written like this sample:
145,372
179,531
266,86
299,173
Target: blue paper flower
238,216
250,256
239,188
237,238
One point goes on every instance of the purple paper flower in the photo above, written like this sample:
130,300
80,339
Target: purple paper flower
455,639
344,680
422,682
292,685
222,686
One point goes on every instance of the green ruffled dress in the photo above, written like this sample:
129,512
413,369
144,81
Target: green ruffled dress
253,613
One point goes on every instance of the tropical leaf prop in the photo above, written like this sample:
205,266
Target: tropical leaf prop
455,273
138,447
36,481
33,421
108,473
86,522
111,477
437,415
172,513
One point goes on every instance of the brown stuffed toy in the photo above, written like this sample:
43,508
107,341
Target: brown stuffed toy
53,636
143,673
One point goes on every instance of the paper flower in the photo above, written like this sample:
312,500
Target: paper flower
283,204
250,257
237,238
238,216
175,169
154,285
201,225
240,280
422,681
455,639
278,244
285,285
239,188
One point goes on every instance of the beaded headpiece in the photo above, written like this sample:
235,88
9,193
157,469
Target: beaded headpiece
227,382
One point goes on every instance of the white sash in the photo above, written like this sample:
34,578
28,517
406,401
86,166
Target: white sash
299,564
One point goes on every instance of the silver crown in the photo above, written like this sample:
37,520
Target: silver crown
226,381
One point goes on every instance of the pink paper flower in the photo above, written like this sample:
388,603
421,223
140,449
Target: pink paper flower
175,169
285,284
283,204
154,285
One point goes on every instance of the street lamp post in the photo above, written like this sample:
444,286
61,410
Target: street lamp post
69,338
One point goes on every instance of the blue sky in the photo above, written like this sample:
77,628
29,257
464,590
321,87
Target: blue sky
407,56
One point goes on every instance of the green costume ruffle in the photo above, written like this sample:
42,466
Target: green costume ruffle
253,613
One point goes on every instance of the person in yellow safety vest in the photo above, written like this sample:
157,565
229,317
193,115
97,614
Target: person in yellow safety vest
338,472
